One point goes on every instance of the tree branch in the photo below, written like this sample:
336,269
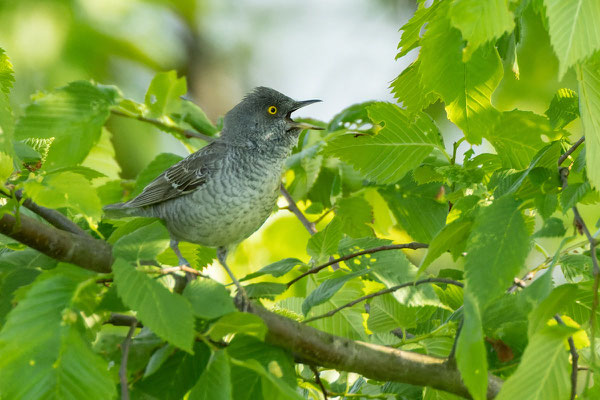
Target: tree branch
570,151
310,227
574,360
382,292
84,251
161,125
411,245
124,358
372,361
319,381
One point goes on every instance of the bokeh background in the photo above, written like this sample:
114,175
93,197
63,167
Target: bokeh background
341,51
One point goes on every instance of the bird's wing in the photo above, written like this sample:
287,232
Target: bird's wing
182,178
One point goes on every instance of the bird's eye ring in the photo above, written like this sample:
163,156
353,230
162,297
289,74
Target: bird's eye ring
272,110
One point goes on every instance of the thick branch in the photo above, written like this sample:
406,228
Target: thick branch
372,361
411,245
84,251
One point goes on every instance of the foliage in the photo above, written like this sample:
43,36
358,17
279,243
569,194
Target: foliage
379,174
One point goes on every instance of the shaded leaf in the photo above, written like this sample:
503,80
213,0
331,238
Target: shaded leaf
209,299
563,108
144,243
325,242
328,288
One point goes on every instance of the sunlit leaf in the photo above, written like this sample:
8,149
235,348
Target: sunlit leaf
588,76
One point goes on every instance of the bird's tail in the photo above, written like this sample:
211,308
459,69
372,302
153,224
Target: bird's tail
120,210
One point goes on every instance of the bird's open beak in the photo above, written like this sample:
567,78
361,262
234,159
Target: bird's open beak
291,124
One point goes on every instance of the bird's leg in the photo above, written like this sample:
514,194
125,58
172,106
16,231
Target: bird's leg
181,260
222,256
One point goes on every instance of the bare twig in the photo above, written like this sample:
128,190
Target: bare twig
318,380
411,245
124,356
169,128
310,227
452,355
570,151
184,268
574,360
382,292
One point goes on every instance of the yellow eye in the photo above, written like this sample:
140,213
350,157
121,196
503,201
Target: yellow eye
272,110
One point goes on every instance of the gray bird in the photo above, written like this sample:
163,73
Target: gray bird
224,192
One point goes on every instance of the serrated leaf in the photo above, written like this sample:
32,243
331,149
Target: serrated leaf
193,115
403,142
73,115
276,269
66,189
544,362
265,290
575,265
325,242
238,322
563,108
574,31
573,194
353,117
327,289
559,298
215,381
553,227
387,314
144,243
209,299
101,157
164,92
43,353
411,31
466,88
496,249
356,213
452,237
410,92
167,314
156,167
481,21
588,76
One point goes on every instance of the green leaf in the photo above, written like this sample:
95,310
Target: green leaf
164,92
356,213
6,116
73,116
544,369
466,88
144,243
209,299
563,108
66,189
193,115
272,386
42,351
518,137
403,142
327,289
573,194
167,314
553,227
574,31
481,21
411,31
238,322
325,242
574,266
387,314
101,157
410,92
496,250
6,167
215,381
156,167
471,357
276,269
158,359
588,76
559,298
353,117
265,290
452,237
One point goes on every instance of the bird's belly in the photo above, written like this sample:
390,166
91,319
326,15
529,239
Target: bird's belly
222,212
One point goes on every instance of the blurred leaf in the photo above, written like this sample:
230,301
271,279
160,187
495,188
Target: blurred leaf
42,351
452,237
276,269
73,116
387,314
471,357
573,194
164,92
588,76
265,290
156,167
546,363
325,242
6,167
272,387
466,88
546,204
481,21
238,322
553,227
408,89
65,189
215,381
158,359
209,299
327,289
144,243
6,116
102,157
574,32
563,108
559,298
355,213
128,227
403,142
169,315
193,115
10,281
575,265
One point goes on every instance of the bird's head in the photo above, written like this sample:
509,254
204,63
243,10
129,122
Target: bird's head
264,115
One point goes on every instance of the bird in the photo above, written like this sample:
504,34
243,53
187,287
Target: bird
224,192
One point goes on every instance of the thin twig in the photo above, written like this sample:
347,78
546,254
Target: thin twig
161,125
184,268
318,380
411,245
310,227
570,151
574,360
382,292
326,213
124,357
452,355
